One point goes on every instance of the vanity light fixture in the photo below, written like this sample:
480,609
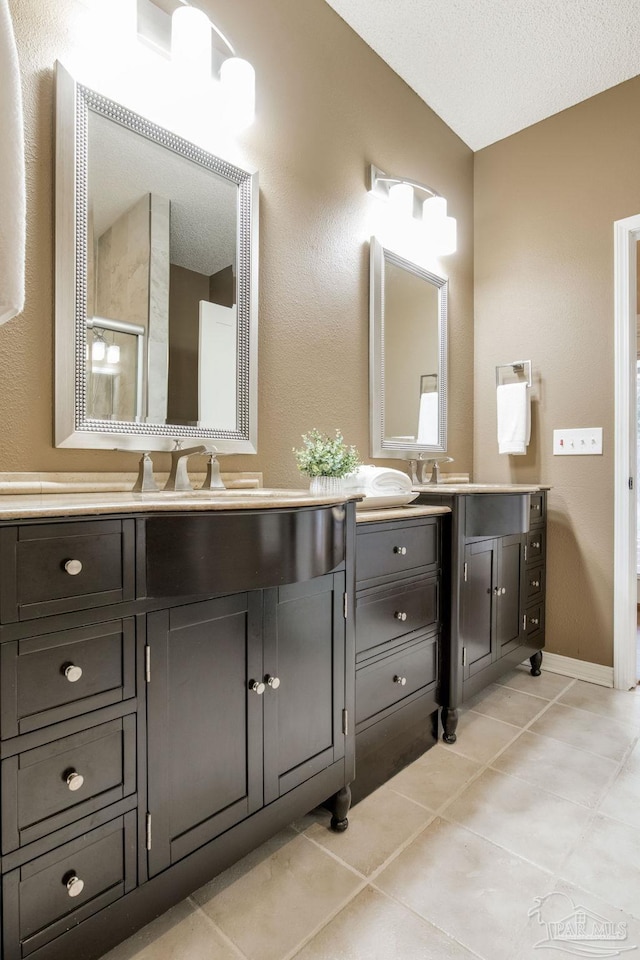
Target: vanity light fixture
199,50
440,229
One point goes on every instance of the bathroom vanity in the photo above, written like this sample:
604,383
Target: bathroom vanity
177,685
494,576
398,603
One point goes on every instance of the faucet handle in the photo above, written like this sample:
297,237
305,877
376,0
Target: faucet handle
145,482
213,480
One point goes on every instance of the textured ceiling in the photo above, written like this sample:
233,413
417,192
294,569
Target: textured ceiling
489,68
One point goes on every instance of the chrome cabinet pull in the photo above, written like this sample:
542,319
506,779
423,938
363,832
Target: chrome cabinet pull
401,681
74,886
401,551
74,780
273,682
72,672
73,567
400,615
257,686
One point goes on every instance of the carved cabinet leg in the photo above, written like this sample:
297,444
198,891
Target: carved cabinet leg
536,660
449,723
339,806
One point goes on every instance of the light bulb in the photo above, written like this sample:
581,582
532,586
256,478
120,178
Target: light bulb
98,350
448,236
238,87
113,353
434,210
441,229
191,42
401,199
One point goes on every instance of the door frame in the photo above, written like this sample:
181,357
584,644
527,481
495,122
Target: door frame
626,235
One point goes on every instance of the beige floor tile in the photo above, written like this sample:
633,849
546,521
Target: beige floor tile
373,927
607,863
510,706
585,730
632,763
273,907
547,685
474,891
552,928
435,777
378,826
530,823
622,800
557,767
622,705
480,738
182,933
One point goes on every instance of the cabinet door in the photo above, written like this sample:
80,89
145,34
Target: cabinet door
509,632
304,648
477,614
205,725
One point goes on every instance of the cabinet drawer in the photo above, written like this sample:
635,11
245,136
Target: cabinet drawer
59,567
391,679
382,553
535,545
50,786
60,675
534,621
388,612
79,878
534,583
537,508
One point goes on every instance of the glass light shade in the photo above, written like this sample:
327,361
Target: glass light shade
98,350
113,353
191,42
401,199
434,209
238,85
441,229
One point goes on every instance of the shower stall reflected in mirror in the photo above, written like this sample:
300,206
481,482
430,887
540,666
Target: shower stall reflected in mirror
115,364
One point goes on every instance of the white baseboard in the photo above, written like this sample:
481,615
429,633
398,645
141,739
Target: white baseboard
579,669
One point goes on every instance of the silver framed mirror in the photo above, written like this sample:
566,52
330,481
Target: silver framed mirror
156,284
407,357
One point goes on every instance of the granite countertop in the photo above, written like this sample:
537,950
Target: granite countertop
28,506
451,489
399,513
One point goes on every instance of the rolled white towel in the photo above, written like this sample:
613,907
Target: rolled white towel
378,481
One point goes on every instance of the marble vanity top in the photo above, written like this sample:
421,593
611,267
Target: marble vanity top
28,506
451,489
399,513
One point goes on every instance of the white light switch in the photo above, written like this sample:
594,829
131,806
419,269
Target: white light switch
580,442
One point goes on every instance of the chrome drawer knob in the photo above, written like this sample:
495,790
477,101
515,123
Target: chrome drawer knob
72,672
536,544
74,780
535,621
74,886
73,567
400,615
402,681
535,583
401,551
273,682
257,686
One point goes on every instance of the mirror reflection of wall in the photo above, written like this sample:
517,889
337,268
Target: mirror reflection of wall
161,252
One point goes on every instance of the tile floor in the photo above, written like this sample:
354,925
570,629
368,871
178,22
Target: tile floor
473,851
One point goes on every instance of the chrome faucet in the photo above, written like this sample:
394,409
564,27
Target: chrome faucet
178,476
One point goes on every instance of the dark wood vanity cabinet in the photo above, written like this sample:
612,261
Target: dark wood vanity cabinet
398,600
155,729
494,575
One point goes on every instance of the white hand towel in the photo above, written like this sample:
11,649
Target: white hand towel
514,417
378,481
428,419
12,187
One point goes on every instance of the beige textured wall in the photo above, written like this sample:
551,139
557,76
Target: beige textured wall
326,107
546,201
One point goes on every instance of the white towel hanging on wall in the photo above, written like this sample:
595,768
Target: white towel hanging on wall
12,186
514,417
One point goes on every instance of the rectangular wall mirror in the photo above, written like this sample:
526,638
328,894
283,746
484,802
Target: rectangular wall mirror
407,357
156,284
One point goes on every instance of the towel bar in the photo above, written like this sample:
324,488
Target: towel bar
516,367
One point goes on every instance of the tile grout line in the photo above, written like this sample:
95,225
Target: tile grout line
223,936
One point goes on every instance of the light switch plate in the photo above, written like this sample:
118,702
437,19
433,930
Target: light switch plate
578,442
